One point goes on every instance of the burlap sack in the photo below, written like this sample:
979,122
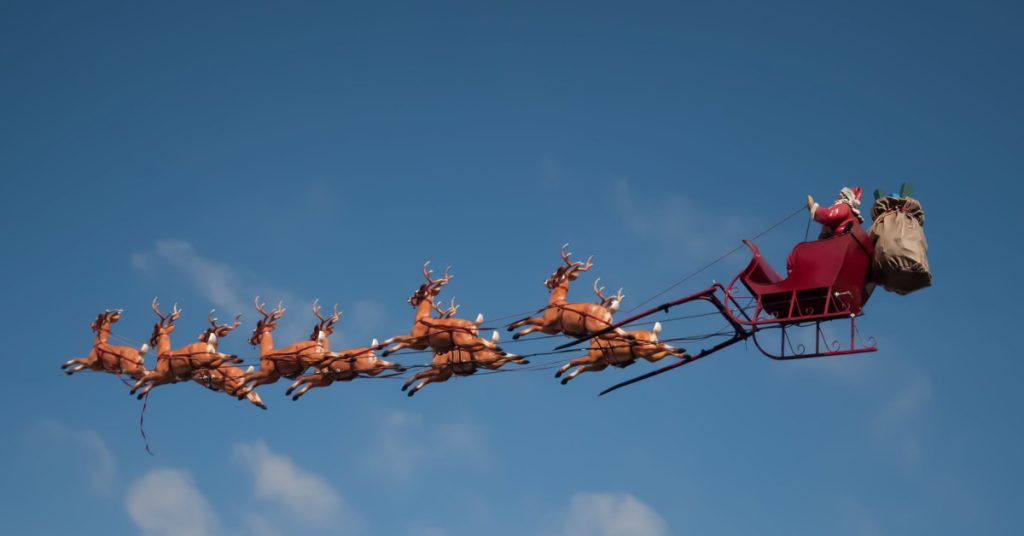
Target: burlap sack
900,264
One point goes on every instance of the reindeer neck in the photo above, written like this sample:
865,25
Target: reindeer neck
559,293
163,344
266,343
103,335
423,309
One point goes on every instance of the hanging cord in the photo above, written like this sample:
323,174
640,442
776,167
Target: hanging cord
716,261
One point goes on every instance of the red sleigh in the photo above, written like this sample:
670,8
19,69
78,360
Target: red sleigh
828,280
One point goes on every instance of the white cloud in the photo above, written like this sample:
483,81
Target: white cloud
230,290
166,502
610,514
304,495
676,221
99,462
403,444
907,403
227,289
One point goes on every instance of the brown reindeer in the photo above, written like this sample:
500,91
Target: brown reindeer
173,366
106,357
620,352
572,319
229,380
461,362
343,367
440,334
293,360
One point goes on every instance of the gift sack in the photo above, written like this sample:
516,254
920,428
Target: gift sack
900,263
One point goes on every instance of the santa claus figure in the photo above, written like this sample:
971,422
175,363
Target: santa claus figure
838,218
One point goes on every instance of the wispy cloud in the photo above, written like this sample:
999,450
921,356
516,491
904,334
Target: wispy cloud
403,443
99,463
308,498
610,514
215,280
231,290
676,221
166,502
897,419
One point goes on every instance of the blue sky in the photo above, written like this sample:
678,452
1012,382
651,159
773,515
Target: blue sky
206,154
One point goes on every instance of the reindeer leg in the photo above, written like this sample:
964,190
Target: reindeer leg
146,378
585,360
418,376
595,367
254,397
418,387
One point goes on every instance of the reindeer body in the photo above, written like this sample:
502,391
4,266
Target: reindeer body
173,366
573,319
460,362
105,357
620,352
343,367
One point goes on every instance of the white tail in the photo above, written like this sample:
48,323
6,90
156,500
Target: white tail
495,336
374,343
656,329
249,370
143,349
479,319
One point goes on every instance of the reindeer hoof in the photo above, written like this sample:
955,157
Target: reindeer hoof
385,353
525,362
68,372
558,373
262,406
295,398
565,381
516,336
410,393
405,387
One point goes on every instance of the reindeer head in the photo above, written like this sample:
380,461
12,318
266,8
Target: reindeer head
569,272
105,318
165,326
216,331
266,324
430,289
612,302
326,325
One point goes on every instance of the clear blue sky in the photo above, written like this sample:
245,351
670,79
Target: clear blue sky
205,154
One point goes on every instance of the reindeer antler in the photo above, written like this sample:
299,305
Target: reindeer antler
259,308
156,309
436,283
223,328
316,310
598,291
447,313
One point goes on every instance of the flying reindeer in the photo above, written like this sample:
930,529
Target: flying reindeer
573,319
173,366
620,352
461,362
440,334
293,360
105,357
343,367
